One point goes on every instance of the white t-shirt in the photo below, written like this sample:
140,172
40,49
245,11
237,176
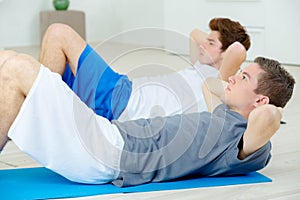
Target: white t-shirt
164,95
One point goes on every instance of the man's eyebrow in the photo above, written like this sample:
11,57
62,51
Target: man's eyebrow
246,74
210,39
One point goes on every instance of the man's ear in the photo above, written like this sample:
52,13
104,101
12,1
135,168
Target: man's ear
261,100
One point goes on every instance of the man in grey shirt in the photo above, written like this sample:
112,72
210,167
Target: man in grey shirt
45,119
208,144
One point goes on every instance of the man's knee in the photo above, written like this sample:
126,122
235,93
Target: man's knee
58,30
6,71
6,54
17,66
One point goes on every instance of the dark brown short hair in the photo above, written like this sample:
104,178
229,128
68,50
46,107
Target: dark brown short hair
230,32
275,82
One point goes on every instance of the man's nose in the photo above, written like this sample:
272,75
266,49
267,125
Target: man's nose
204,44
201,47
231,79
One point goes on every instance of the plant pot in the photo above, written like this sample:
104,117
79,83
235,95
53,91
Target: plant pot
61,4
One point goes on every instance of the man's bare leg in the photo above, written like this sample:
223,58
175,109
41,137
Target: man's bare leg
17,75
61,45
4,55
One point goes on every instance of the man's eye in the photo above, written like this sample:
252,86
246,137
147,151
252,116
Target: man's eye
244,77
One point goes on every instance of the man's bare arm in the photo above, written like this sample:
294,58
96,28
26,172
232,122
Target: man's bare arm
263,122
197,37
233,58
213,91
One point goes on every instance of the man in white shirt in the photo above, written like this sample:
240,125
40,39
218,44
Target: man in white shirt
114,96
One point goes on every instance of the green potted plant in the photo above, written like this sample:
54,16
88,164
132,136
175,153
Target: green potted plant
61,4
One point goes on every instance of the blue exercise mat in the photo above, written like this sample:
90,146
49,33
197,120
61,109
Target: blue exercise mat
41,183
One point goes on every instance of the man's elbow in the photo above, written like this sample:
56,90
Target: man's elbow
270,115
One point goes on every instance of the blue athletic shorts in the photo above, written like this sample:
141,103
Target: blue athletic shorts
96,84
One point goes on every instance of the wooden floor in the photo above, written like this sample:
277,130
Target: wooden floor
284,168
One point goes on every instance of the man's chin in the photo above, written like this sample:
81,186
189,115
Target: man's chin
205,61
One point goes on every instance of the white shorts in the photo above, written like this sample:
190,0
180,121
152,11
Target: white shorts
63,134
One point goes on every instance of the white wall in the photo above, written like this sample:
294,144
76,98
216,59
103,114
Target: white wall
184,17
19,20
273,24
137,18
283,30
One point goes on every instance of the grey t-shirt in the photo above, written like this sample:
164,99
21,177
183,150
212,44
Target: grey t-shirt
196,144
